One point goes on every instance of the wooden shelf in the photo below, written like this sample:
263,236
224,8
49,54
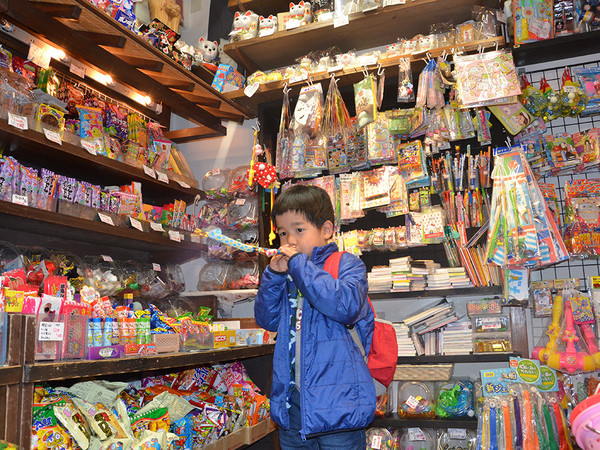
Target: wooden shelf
561,47
261,7
10,375
69,229
274,90
395,421
451,359
99,41
63,370
365,30
30,147
476,291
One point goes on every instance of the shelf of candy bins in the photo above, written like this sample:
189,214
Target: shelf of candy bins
30,146
273,90
98,40
395,421
364,30
68,228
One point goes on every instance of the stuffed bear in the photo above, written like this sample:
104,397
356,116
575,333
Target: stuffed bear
245,26
268,25
300,13
209,50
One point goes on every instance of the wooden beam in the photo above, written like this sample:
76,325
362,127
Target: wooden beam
27,16
143,63
60,11
226,115
203,101
106,40
3,6
191,134
183,86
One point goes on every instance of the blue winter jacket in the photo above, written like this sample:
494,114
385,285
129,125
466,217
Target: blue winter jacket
336,387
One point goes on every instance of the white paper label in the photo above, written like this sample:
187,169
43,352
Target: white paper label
39,56
106,219
195,238
340,21
51,331
17,121
174,235
416,434
53,136
540,28
412,402
570,89
135,223
457,433
376,442
298,79
183,184
335,68
249,91
20,199
240,201
292,23
156,226
162,177
90,146
106,258
156,267
77,68
148,171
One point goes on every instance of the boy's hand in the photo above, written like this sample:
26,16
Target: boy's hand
279,263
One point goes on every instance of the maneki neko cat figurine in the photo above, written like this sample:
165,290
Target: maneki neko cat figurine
245,26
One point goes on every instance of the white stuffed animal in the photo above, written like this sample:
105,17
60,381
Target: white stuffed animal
209,50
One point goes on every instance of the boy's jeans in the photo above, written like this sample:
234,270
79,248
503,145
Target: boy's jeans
291,439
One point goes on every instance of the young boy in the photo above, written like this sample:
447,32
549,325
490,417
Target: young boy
322,395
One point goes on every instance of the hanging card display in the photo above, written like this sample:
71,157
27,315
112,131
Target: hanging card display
532,20
376,188
364,101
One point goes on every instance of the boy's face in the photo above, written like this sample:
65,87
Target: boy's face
296,231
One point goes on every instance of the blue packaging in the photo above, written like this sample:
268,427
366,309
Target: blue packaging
108,331
97,332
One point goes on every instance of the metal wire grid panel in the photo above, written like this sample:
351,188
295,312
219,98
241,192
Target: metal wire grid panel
572,268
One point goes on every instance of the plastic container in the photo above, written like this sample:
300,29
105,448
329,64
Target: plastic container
379,438
418,439
490,323
243,275
242,213
416,400
216,183
103,274
493,343
485,306
213,276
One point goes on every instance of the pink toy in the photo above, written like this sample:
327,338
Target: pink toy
585,420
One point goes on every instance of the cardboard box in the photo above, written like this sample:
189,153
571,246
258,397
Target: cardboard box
258,431
282,19
225,339
227,79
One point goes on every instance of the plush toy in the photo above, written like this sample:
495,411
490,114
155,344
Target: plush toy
300,13
245,26
209,50
267,26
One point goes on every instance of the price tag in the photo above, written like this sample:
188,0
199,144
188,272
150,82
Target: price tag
370,60
156,226
249,91
17,121
570,89
162,177
148,171
376,442
51,331
106,258
340,21
156,267
335,68
77,68
106,219
39,55
20,199
174,235
90,146
135,223
291,24
540,28
412,402
195,238
457,433
240,201
416,434
298,79
52,136
183,184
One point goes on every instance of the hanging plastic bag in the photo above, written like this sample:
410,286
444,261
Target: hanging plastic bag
284,139
406,90
364,100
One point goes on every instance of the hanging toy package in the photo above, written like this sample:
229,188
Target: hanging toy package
406,91
572,97
338,127
284,139
532,98
364,99
308,156
553,105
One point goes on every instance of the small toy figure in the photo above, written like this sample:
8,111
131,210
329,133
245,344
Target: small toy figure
300,13
209,51
267,25
245,26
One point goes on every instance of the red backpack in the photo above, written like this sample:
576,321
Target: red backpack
383,355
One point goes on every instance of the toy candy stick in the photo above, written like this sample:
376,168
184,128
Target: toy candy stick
530,441
518,428
508,441
563,432
493,427
539,430
552,444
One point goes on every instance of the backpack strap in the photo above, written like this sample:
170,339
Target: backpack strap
332,265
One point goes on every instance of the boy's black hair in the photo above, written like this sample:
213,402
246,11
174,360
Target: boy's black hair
312,201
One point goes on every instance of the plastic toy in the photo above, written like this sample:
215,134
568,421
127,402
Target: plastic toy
245,26
572,96
209,50
267,25
415,399
585,422
532,98
455,399
217,235
554,101
540,352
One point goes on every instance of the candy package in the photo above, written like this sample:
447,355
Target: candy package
364,101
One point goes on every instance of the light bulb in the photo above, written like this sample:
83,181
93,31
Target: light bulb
108,80
147,100
58,54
